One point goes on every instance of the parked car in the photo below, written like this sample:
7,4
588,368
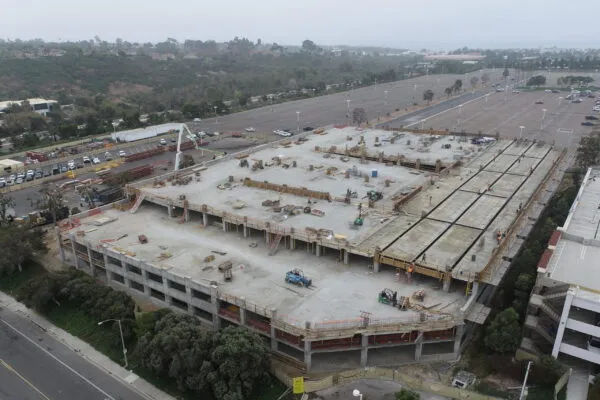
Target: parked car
163,142
548,91
577,101
250,129
47,173
122,153
71,164
308,129
86,160
588,123
555,91
2,182
30,175
63,168
596,108
539,102
38,173
591,118
96,160
108,156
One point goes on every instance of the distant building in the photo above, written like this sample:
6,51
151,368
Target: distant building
40,106
455,57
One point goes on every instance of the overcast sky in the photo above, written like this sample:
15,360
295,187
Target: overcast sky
435,24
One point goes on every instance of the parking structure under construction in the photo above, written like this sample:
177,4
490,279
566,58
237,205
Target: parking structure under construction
343,248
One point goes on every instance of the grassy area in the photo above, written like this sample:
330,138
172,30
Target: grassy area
10,284
273,391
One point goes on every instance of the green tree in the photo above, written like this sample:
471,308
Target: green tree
406,394
474,81
359,116
428,95
6,203
485,78
448,91
504,332
588,151
537,80
309,45
18,244
457,86
505,73
50,199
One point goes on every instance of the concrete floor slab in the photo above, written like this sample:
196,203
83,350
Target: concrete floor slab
537,151
518,148
258,277
448,249
524,165
507,185
481,181
412,243
502,163
482,212
454,206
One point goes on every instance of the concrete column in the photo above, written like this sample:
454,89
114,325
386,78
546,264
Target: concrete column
245,231
273,333
92,267
460,329
105,258
170,211
224,226
188,296
318,250
364,351
563,322
242,312
292,243
375,265
307,355
418,351
446,285
214,299
166,289
346,256
204,219
145,282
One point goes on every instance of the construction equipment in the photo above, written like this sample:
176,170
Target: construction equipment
387,296
373,195
419,295
143,239
228,275
296,277
359,220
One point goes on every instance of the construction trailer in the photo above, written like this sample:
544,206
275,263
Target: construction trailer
10,166
133,135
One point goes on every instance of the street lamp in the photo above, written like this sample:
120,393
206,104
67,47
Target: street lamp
521,133
216,115
542,121
523,388
560,99
348,101
385,92
357,393
298,118
122,339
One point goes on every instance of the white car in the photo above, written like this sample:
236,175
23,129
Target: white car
71,164
122,153
548,91
2,182
163,142
596,108
86,160
282,133
96,160
250,129
197,120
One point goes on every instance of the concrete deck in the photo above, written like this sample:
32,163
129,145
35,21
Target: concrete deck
345,290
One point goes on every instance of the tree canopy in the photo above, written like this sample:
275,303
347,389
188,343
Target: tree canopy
537,80
504,332
428,95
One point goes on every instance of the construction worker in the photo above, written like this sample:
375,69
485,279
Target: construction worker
409,272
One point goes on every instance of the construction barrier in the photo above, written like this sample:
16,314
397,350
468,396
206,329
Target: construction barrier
298,191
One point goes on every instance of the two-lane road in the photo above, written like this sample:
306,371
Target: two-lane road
34,365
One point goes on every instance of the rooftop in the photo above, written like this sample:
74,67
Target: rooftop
574,260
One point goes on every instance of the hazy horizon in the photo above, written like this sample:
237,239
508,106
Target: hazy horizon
440,25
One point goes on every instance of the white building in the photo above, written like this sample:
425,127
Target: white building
40,106
564,309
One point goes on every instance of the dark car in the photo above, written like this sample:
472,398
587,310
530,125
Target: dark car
47,172
555,91
38,173
539,102
591,96
591,118
588,123
308,129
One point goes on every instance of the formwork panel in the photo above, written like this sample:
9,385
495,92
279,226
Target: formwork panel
482,212
502,163
454,206
446,251
412,243
481,181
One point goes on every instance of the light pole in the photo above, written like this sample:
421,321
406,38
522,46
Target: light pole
348,101
521,133
298,119
357,393
216,115
385,92
523,389
122,339
486,98
560,99
542,121
459,115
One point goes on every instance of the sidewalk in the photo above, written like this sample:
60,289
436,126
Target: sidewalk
86,351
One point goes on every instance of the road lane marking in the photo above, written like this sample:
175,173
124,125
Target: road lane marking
31,385
108,397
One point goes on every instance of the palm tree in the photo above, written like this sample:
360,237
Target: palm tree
448,91
457,85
